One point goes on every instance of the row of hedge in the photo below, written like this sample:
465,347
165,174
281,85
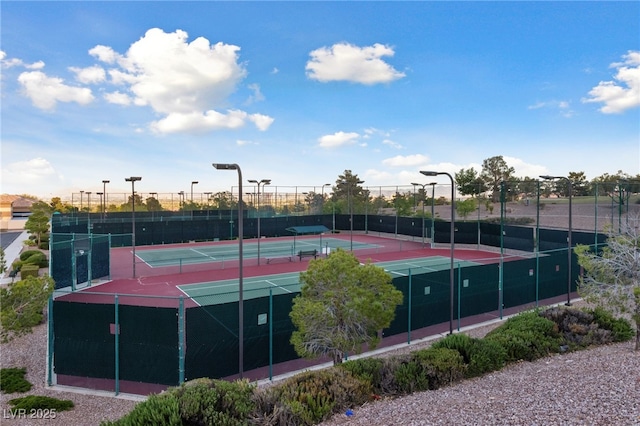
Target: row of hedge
29,263
312,397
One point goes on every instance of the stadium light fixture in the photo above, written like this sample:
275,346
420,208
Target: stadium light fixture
452,243
227,166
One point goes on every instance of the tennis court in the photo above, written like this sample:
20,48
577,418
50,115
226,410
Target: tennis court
223,252
226,291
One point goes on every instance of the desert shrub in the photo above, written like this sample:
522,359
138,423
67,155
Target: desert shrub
430,369
527,336
23,304
621,330
28,270
578,328
38,402
480,355
311,397
160,409
12,380
215,402
366,369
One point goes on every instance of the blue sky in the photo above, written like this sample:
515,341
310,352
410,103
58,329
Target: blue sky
298,92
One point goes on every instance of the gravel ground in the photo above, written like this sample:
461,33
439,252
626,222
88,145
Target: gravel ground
600,386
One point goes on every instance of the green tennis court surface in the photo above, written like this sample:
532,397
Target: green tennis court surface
225,291
222,252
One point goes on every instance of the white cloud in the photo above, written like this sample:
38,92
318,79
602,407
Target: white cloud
89,75
117,98
185,82
392,144
105,54
346,62
15,62
257,94
338,139
523,169
262,122
564,107
45,92
199,122
623,93
34,171
406,160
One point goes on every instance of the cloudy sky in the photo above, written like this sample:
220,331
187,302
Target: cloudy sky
298,92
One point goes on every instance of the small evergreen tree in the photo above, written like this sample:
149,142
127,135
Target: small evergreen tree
342,305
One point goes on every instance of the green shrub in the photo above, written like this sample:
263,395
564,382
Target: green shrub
29,271
160,409
311,397
38,402
527,336
368,370
12,380
481,356
429,369
215,402
621,330
28,253
38,258
16,265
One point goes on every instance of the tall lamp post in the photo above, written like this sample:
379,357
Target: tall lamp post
89,201
81,192
350,204
221,166
570,187
433,217
104,203
100,194
258,183
195,182
452,242
423,200
322,201
133,180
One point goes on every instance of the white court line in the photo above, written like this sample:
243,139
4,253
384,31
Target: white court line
203,254
276,285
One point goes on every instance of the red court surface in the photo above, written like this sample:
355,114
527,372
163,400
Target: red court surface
163,291
149,282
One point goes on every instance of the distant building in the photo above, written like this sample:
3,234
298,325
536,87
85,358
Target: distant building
13,209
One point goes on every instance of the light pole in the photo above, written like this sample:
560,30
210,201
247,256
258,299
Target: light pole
133,180
433,217
322,201
221,166
104,204
570,187
452,242
81,192
423,200
345,182
100,194
195,182
258,183
181,202
89,201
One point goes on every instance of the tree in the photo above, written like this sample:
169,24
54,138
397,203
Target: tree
348,189
23,304
494,171
469,183
612,278
342,305
463,208
38,221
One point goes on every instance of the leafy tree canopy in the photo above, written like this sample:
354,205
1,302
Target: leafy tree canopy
342,305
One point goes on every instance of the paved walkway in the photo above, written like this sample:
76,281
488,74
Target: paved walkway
11,253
